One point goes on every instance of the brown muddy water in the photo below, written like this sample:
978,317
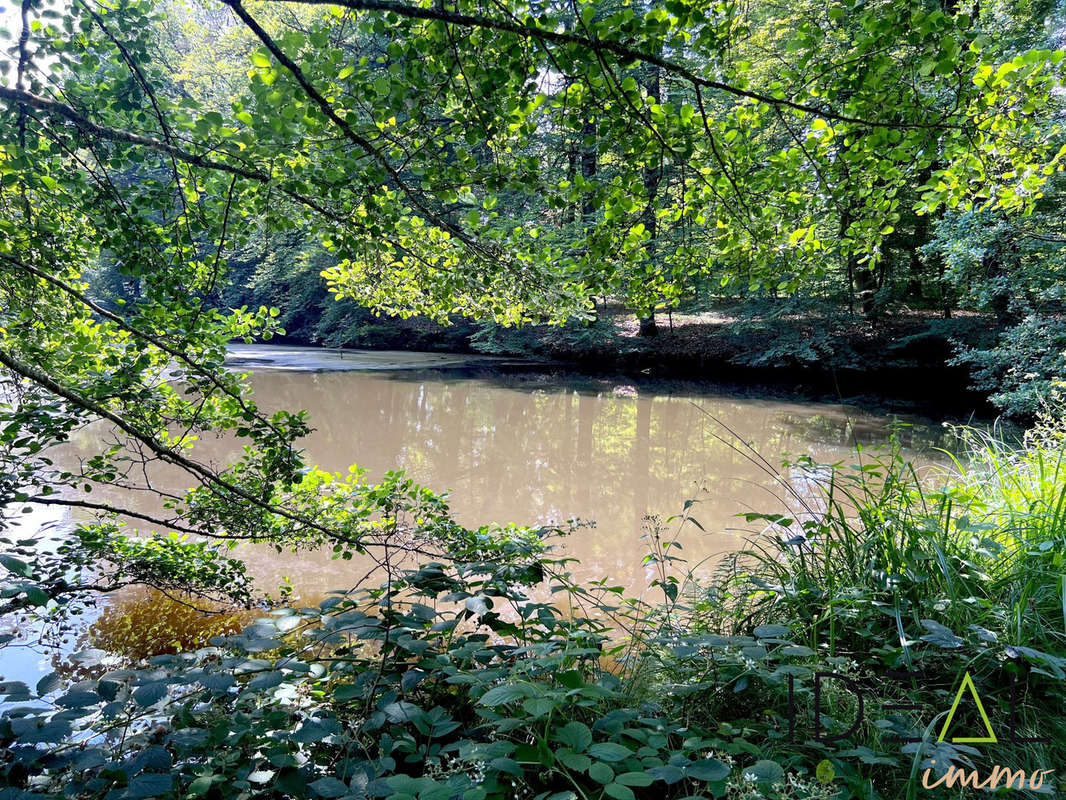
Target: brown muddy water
512,445
531,450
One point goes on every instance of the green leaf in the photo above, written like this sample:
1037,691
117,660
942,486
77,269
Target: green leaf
266,680
507,693
328,787
35,596
572,760
707,769
571,679
48,684
619,791
150,693
17,566
402,711
576,735
668,774
346,692
771,631
635,779
825,772
765,771
609,751
291,780
601,773
150,785
940,635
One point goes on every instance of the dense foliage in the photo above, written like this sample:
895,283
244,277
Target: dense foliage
515,164
510,162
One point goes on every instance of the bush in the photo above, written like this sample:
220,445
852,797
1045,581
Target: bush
903,584
1023,370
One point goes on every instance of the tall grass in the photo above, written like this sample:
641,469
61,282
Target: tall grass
981,539
959,568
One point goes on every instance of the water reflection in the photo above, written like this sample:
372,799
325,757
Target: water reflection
532,449
139,623
520,447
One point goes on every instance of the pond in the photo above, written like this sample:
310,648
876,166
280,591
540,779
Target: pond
530,446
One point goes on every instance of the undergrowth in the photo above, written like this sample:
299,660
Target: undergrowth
460,680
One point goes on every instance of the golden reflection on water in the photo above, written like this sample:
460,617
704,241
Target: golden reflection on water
142,622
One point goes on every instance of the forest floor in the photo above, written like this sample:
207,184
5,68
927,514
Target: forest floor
905,357
729,334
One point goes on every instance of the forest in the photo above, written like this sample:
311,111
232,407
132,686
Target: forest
850,197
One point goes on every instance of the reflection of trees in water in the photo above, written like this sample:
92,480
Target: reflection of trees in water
133,624
528,449
855,428
532,451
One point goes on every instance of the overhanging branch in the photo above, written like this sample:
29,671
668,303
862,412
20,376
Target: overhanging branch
23,99
620,49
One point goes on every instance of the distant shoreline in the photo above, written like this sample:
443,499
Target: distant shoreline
901,362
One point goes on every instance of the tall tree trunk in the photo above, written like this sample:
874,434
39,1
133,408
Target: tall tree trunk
861,283
920,238
589,159
865,288
849,261
652,177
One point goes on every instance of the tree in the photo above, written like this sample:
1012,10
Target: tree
406,143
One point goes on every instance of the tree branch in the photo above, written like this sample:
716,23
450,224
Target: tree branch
439,14
24,99
349,132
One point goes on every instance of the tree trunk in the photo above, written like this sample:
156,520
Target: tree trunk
865,289
588,166
652,177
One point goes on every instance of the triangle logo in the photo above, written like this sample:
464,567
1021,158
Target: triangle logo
967,683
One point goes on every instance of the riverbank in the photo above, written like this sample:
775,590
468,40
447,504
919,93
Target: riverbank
903,363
